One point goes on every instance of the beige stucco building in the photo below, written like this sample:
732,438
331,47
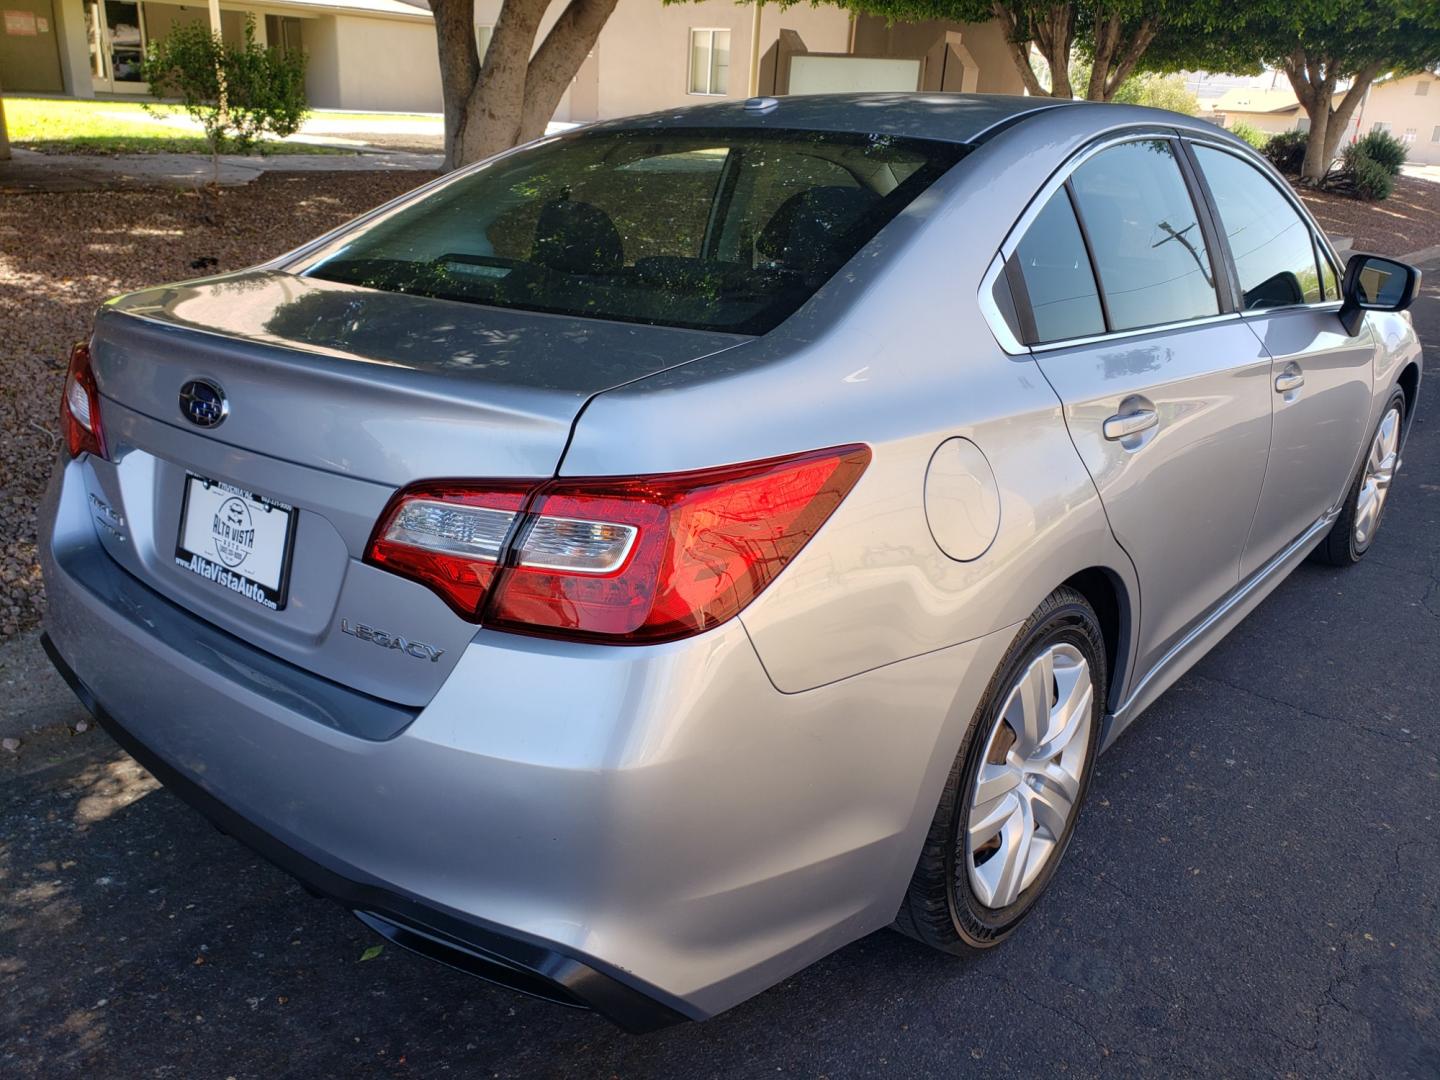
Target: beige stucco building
379,55
1407,107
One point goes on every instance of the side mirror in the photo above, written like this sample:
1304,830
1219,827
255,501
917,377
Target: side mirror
1375,283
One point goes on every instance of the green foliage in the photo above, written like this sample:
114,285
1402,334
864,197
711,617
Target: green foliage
1286,150
1254,136
1345,36
1384,149
1180,26
1365,177
237,93
1158,92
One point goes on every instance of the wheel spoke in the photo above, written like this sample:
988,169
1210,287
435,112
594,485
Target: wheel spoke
1072,714
1002,874
1054,800
990,818
994,782
1032,704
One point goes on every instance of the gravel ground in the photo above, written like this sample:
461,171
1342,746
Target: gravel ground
1406,222
62,254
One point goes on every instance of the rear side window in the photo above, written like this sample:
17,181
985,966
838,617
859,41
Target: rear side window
1270,243
714,229
1145,235
1059,283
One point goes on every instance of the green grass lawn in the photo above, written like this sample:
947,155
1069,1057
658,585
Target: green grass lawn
61,126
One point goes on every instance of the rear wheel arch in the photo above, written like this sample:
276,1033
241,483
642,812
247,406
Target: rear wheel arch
1108,595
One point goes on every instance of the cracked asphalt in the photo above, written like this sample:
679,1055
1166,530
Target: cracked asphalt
1254,888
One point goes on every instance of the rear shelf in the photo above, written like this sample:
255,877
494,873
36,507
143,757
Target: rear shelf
337,397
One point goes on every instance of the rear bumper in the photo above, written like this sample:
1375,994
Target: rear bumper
491,952
656,833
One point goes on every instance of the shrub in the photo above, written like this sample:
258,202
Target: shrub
1252,135
237,93
1158,92
1384,149
1286,151
1365,177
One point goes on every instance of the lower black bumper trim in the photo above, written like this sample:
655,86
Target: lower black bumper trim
496,954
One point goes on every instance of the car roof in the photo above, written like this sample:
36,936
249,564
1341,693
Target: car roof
959,118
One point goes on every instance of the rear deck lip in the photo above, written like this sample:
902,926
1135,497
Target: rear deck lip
614,994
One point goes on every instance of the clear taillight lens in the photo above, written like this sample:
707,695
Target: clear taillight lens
80,406
450,537
621,559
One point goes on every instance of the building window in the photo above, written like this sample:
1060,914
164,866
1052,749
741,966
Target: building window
1435,135
1409,137
483,34
1379,125
709,61
1422,87
1303,124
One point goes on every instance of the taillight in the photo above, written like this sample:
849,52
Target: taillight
450,536
80,406
620,559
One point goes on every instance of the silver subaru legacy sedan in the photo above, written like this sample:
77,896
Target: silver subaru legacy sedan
635,566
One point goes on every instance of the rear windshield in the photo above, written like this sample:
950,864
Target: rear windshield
709,229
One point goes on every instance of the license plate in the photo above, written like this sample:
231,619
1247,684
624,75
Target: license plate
237,539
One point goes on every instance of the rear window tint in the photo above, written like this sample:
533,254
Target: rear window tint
709,229
1144,232
1058,280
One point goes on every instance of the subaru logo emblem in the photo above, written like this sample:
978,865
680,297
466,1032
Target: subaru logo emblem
203,403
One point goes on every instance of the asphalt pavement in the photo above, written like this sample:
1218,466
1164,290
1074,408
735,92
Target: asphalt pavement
1254,889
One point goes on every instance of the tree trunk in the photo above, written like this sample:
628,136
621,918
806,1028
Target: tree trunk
510,97
1019,45
1052,32
4,134
1313,79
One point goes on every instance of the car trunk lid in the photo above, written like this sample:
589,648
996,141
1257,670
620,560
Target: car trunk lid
337,396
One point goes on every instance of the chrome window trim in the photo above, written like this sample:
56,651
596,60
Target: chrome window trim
1057,180
999,328
1064,172
1139,331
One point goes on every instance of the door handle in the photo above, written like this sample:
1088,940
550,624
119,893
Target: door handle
1288,381
1125,424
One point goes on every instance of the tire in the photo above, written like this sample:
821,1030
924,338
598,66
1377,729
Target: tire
1347,543
949,905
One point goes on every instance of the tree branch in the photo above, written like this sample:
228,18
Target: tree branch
1019,47
558,59
1144,35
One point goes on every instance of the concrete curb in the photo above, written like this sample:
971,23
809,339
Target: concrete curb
1423,255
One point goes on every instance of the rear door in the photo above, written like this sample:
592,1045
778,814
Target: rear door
1320,376
1166,393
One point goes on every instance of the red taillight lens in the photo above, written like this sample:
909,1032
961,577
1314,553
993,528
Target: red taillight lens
449,536
80,406
625,559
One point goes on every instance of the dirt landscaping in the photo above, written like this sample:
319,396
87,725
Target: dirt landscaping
1407,222
63,254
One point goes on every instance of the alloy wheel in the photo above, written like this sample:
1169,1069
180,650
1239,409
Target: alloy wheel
1379,472
1029,781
